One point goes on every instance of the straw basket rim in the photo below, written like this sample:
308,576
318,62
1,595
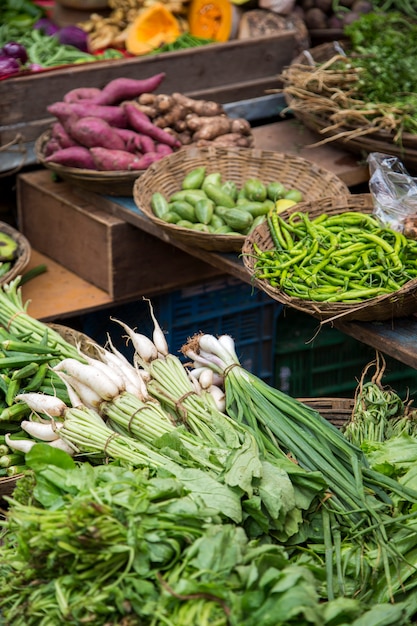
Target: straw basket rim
23,254
236,164
114,183
372,141
399,303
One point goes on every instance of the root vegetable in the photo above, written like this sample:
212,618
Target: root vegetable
204,108
119,160
113,115
132,140
208,127
120,89
63,138
51,146
163,148
76,156
147,144
82,93
141,123
92,132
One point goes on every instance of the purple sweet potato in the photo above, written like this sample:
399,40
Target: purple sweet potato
142,124
120,89
131,138
114,115
51,146
82,93
62,111
114,160
63,138
76,156
92,132
163,148
147,144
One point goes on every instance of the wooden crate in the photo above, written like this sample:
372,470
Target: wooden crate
229,72
97,246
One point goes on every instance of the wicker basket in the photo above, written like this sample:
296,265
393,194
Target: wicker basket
397,304
338,411
379,141
23,254
117,183
238,165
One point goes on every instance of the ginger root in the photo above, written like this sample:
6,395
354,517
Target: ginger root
195,121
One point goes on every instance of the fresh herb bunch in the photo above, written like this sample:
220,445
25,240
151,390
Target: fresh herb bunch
385,48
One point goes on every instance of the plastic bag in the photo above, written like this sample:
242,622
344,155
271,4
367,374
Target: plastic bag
393,190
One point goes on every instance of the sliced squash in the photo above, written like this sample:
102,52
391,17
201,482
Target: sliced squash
152,28
211,19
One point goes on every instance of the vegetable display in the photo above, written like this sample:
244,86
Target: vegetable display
209,204
203,496
153,27
368,88
349,257
125,126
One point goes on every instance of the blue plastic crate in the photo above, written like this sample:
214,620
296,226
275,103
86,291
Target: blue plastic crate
224,306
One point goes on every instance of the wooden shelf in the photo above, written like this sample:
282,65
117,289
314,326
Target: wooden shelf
59,293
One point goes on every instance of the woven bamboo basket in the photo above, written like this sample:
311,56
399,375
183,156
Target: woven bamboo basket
117,183
238,165
338,411
372,141
23,253
74,337
400,303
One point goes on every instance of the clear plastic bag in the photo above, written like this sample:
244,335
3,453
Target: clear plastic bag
393,190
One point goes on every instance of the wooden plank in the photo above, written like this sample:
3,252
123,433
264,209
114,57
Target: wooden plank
397,337
59,293
290,136
209,69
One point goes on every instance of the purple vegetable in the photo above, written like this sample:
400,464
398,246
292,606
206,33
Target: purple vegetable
16,51
8,66
46,26
73,36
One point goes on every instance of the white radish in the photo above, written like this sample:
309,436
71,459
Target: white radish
60,444
89,376
41,430
21,445
108,371
42,403
158,335
84,395
143,346
126,370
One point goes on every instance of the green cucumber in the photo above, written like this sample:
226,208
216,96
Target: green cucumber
159,205
218,196
255,189
184,209
212,179
194,179
238,220
171,217
204,210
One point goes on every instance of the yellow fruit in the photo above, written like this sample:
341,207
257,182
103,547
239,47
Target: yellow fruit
283,204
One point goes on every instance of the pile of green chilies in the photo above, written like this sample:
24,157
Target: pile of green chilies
349,257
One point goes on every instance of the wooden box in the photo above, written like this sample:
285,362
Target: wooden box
101,248
229,72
